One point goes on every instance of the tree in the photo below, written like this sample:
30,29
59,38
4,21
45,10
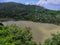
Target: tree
55,40
14,35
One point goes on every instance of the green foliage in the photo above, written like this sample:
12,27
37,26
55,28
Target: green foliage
17,11
14,35
55,40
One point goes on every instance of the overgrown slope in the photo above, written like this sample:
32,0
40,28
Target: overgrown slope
13,35
19,11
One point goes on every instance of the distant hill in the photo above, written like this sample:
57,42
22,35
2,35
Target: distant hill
35,13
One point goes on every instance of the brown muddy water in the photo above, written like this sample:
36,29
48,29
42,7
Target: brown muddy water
40,31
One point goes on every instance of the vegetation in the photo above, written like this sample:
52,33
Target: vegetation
17,11
55,40
13,35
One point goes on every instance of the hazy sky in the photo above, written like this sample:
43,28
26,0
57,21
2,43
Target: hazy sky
50,4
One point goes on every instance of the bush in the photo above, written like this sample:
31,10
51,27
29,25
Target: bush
55,40
14,35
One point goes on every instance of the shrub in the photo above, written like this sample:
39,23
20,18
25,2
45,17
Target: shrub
55,40
14,35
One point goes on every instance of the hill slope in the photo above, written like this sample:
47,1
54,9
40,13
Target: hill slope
19,11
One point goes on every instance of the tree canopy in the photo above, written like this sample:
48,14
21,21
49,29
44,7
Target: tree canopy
55,40
14,35
35,13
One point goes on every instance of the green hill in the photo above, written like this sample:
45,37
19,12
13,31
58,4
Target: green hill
35,13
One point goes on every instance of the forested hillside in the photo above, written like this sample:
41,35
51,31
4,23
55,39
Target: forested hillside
35,13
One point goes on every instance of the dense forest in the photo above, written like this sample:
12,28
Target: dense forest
17,11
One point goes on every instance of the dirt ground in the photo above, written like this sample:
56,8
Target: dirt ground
40,31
